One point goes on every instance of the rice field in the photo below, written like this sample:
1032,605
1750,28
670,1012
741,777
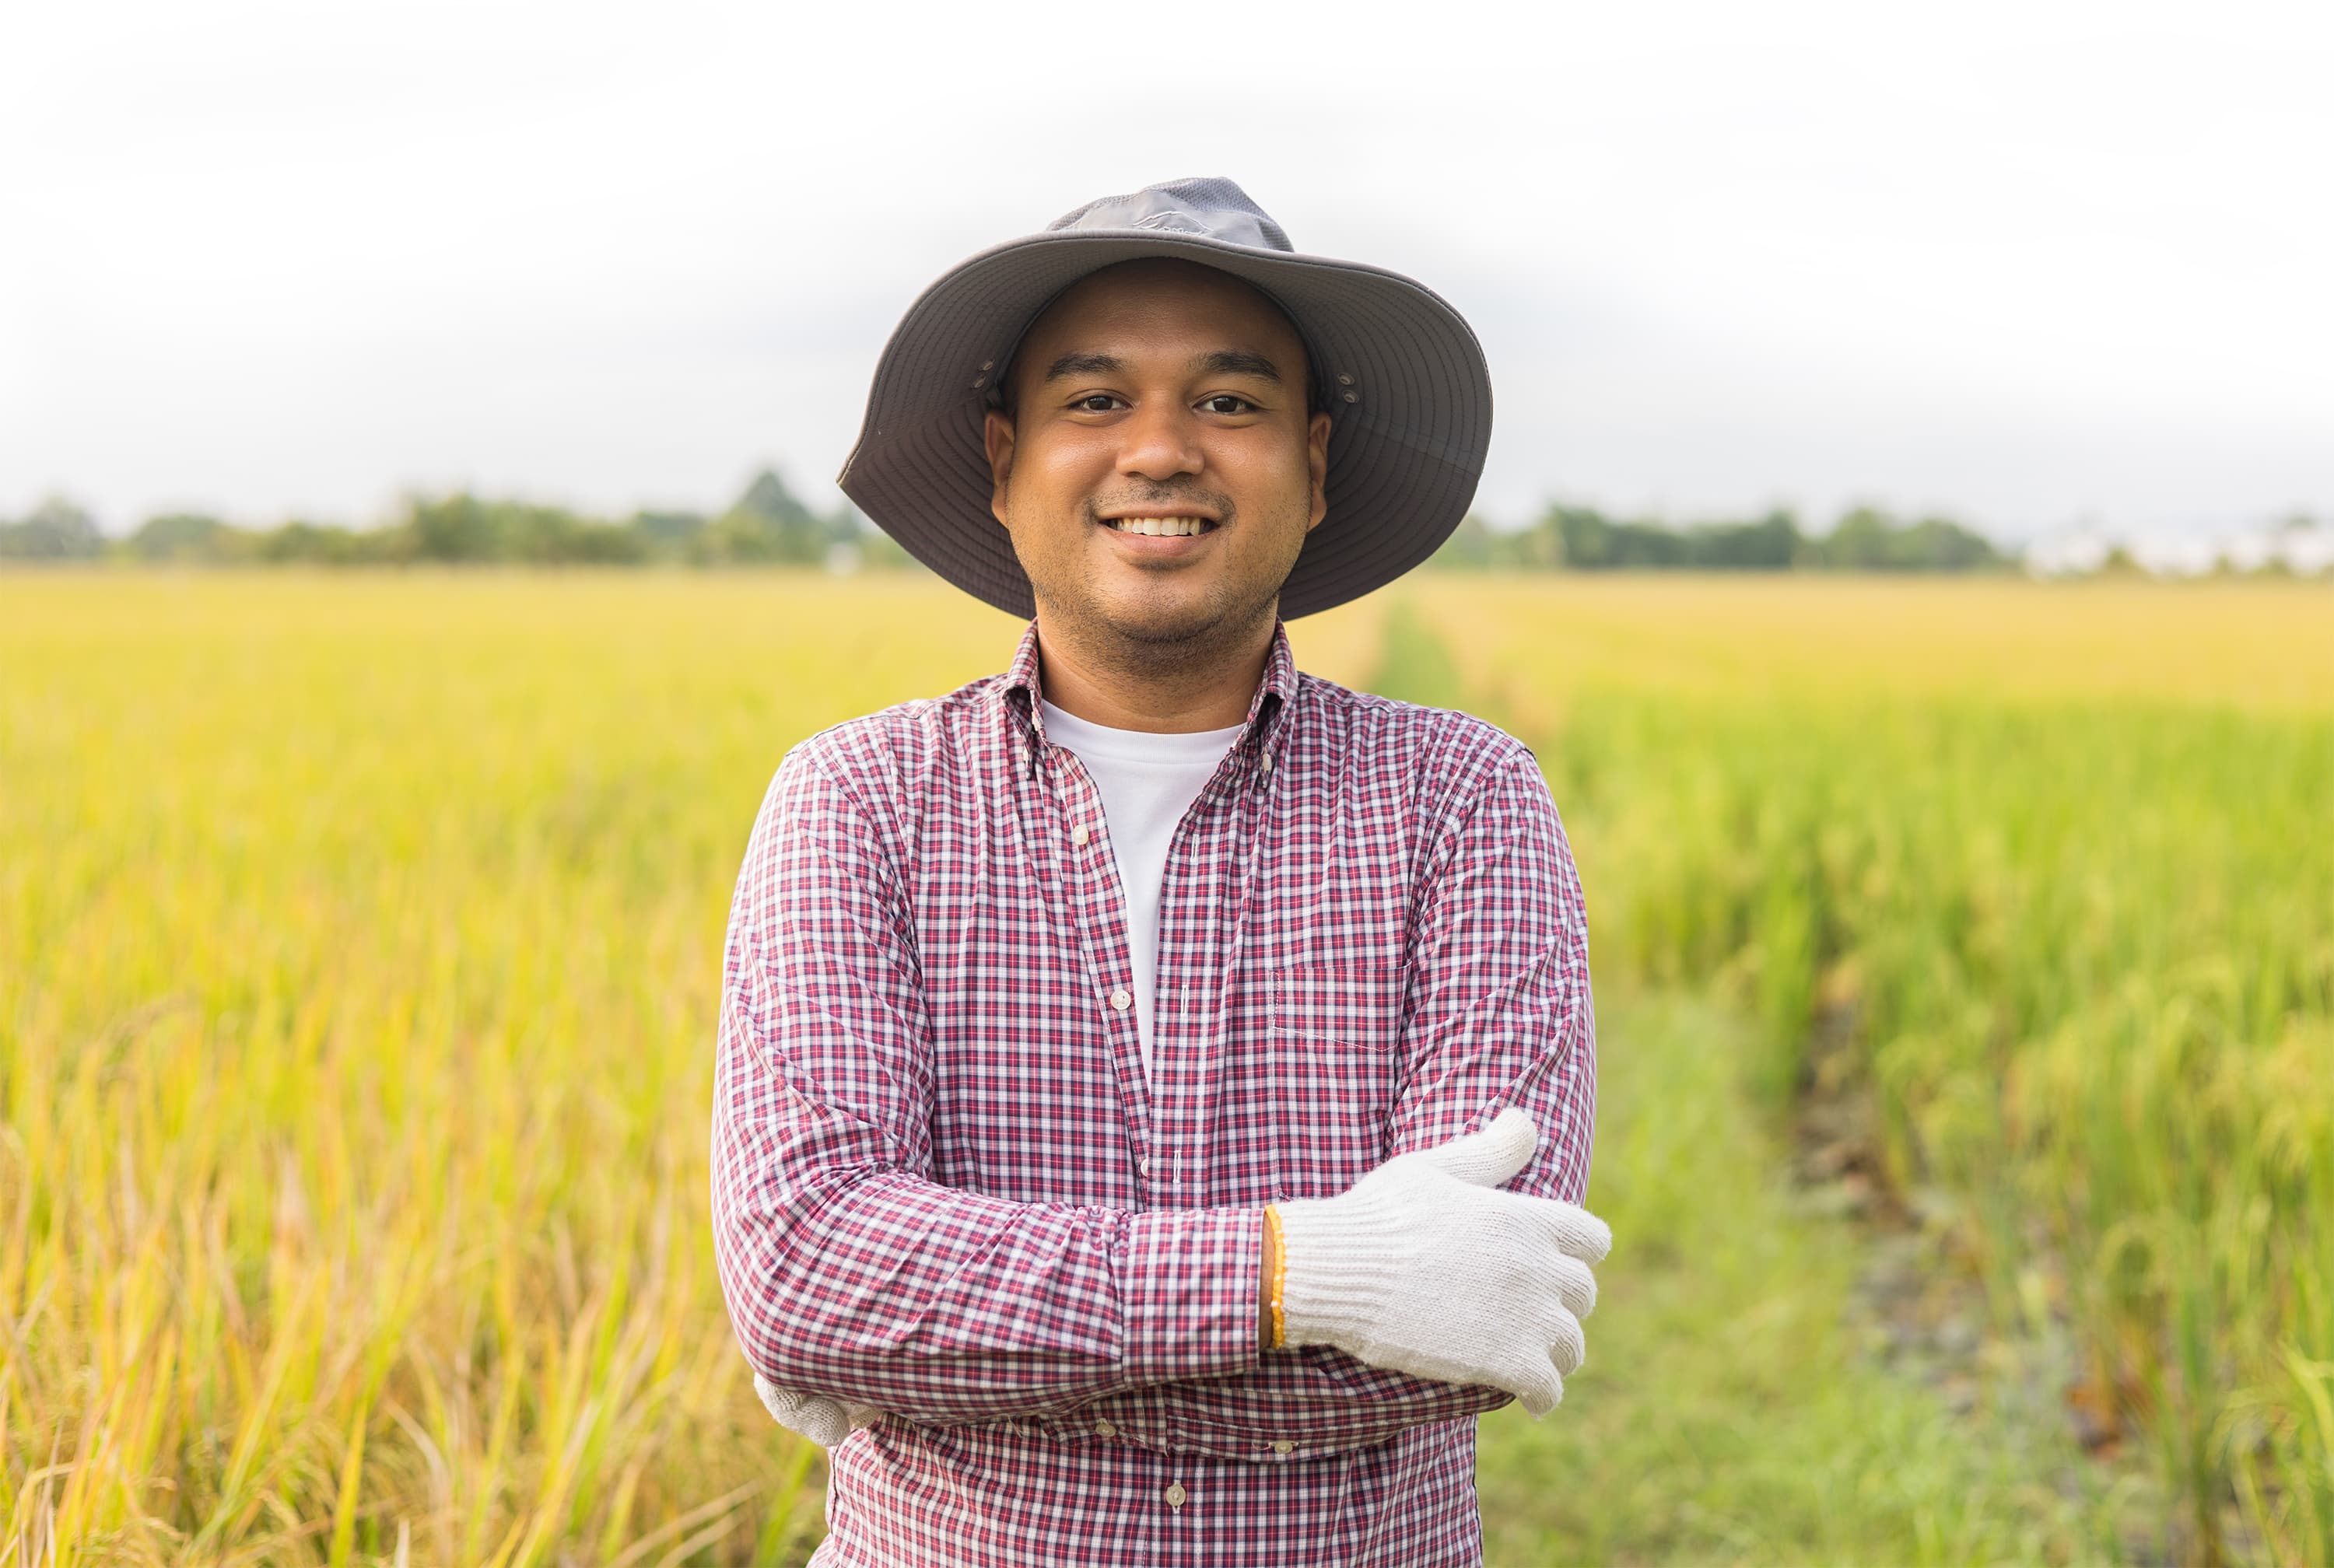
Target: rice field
360,937
2041,881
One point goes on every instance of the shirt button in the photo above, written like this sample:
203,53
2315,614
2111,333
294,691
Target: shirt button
1176,1495
1268,762
1284,1446
1122,998
1143,1165
1078,834
1104,1430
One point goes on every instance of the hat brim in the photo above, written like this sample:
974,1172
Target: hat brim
1409,395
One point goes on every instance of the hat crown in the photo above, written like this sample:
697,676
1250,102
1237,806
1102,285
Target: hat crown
1215,208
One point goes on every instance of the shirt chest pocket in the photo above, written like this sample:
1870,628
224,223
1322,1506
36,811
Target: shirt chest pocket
1336,1032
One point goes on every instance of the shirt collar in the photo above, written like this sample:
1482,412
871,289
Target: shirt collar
1020,689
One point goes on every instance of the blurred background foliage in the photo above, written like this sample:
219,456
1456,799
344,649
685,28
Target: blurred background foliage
769,525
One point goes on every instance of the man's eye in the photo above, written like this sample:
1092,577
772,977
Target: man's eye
1216,405
1094,403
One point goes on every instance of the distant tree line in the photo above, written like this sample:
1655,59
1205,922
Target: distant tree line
1866,539
768,523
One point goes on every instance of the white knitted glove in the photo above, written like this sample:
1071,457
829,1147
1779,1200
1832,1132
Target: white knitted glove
1422,1266
824,1422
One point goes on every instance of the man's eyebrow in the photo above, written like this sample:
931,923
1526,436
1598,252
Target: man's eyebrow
1237,362
1084,365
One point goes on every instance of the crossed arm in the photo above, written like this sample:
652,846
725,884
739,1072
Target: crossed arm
850,1273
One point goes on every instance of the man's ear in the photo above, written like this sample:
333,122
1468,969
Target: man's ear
996,439
1317,457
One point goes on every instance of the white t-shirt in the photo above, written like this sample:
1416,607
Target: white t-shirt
1147,782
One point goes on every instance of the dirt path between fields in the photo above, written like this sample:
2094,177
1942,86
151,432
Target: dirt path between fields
1926,1314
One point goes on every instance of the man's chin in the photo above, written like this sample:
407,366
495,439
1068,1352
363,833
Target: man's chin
1166,611
1163,626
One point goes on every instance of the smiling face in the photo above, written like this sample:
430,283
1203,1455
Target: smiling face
1159,469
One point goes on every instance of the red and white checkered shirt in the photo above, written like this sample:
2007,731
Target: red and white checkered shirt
942,1187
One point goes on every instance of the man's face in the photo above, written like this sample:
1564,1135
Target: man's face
1159,472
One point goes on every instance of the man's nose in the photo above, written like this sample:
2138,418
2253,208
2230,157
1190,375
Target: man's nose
1160,443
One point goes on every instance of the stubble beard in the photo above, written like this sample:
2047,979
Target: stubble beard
1171,647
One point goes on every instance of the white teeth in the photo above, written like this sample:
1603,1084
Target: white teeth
1157,527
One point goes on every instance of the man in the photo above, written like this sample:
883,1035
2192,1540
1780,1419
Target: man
1155,1085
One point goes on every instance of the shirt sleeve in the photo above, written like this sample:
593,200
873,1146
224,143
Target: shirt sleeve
847,1271
1498,1012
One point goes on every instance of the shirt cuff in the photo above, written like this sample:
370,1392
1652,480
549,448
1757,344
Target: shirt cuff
1191,1294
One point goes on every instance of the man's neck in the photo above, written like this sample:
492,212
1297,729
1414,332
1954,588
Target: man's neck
1146,689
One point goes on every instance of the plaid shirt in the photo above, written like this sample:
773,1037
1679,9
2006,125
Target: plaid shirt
941,1185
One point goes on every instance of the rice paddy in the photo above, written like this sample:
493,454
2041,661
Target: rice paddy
2039,882
359,946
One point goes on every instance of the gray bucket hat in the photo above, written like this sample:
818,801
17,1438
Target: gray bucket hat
1406,388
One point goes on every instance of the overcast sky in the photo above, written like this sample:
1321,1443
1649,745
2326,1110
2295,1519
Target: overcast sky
2029,264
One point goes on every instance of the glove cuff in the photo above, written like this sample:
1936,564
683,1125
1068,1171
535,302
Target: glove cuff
1336,1258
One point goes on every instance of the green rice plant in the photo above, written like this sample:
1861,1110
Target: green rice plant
2076,925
